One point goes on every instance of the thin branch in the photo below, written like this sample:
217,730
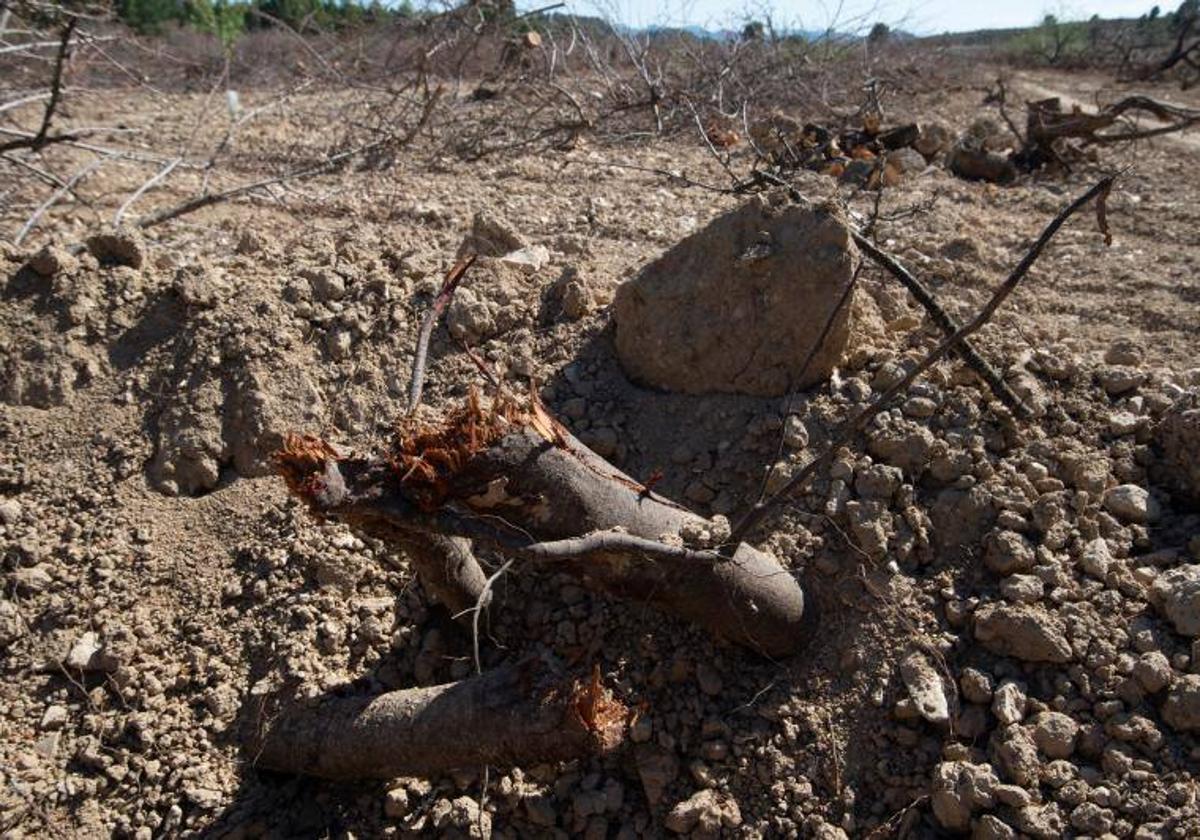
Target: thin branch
149,184
417,383
42,137
945,322
937,314
53,199
17,103
859,420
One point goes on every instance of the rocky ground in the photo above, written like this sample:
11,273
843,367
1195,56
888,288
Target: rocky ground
1008,609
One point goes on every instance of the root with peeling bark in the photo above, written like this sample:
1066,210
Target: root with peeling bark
514,715
508,476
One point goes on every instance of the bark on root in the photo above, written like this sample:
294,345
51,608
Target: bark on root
509,476
515,715
1047,124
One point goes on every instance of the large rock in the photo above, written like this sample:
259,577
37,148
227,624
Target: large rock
739,306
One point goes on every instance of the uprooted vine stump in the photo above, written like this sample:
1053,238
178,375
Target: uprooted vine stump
520,714
509,477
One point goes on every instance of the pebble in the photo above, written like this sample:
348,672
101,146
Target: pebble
1131,503
709,679
32,580
925,688
1008,703
529,260
1122,423
1006,552
1055,734
1176,593
54,717
992,827
1022,631
1096,558
657,768
1152,671
705,812
395,803
1022,589
795,433
1182,709
960,788
1120,380
10,511
976,686
87,655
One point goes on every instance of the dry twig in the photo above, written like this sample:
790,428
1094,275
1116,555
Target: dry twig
858,421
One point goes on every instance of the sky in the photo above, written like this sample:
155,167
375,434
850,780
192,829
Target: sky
918,16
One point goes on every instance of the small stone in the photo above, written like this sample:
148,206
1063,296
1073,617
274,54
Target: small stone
1120,380
1055,734
958,789
1122,423
339,344
907,161
1042,822
739,306
1182,708
528,260
992,828
1091,819
491,236
1178,435
1022,589
52,260
920,408
1008,703
878,481
54,717
1013,796
1131,503
657,768
327,285
1006,552
706,812
1023,631
925,688
395,803
1152,671
577,301
10,511
976,686
708,678
1126,352
1016,755
1096,558
1176,593
795,433
87,655
32,579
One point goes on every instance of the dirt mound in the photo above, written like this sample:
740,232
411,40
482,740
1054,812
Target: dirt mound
1007,607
